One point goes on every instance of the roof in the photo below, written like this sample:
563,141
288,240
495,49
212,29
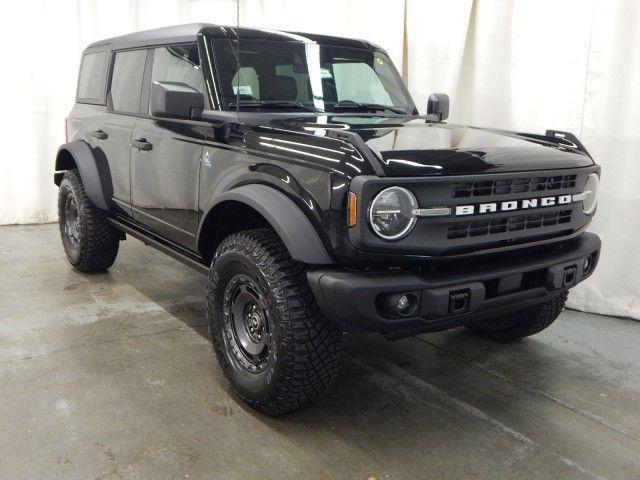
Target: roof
189,32
174,34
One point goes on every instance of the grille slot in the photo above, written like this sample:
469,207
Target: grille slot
512,223
513,185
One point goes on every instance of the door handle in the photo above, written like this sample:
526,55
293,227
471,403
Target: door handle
141,144
99,134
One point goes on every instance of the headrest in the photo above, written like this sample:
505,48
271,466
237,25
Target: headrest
282,88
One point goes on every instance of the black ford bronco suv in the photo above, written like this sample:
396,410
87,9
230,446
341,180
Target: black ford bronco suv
295,171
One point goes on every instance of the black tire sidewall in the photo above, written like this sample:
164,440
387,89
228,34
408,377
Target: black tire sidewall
252,386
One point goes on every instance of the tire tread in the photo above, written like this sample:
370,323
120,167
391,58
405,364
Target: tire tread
99,240
310,346
522,323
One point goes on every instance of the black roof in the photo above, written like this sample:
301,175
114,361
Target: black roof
189,32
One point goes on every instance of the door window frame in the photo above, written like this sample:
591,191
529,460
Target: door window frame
145,97
145,91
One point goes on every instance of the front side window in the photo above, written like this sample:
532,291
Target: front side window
178,63
92,76
309,76
126,81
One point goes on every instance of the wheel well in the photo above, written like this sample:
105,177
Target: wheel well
64,161
223,220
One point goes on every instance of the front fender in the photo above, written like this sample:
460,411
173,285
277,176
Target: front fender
93,168
284,216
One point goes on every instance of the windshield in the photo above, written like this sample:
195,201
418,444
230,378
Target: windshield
287,75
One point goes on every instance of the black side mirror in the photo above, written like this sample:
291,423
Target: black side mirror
438,105
175,99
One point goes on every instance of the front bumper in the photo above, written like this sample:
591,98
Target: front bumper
452,295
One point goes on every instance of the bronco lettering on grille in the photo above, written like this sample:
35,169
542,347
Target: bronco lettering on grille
512,205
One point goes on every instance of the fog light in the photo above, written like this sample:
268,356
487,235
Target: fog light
398,304
404,304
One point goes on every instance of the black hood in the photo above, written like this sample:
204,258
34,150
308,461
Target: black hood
415,147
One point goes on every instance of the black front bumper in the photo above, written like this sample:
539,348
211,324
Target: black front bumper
454,294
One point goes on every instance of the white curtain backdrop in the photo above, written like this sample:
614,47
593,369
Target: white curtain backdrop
524,65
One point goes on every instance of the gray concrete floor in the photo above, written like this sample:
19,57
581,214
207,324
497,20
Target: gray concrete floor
112,376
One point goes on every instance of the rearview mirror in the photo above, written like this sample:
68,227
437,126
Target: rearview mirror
175,99
438,105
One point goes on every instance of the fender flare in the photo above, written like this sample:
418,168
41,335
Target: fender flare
94,171
294,228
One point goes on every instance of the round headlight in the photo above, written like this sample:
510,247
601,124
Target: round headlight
591,194
391,213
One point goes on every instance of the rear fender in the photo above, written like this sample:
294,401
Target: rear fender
93,167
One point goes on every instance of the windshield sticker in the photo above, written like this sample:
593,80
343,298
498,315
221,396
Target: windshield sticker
325,73
242,90
379,61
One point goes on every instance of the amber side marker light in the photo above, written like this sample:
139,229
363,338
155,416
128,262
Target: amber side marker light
352,210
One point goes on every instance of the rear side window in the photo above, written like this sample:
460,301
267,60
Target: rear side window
126,81
92,77
178,63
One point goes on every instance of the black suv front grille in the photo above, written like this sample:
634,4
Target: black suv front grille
519,210
512,223
513,185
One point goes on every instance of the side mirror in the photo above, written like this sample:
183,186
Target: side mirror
175,99
438,105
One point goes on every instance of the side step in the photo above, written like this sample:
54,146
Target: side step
164,246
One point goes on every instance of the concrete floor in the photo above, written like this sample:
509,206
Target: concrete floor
112,376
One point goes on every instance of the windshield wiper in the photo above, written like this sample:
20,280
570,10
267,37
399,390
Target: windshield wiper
273,104
351,105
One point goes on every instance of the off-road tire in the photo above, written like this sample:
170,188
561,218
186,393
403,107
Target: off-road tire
97,244
303,357
522,323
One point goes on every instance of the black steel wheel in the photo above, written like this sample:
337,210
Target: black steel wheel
89,240
246,323
71,224
272,342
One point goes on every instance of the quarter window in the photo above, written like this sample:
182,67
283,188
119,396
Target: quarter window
92,77
126,82
178,63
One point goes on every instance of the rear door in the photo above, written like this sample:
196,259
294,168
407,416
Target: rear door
166,152
116,127
108,129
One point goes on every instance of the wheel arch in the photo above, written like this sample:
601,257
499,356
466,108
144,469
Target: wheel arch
93,167
255,206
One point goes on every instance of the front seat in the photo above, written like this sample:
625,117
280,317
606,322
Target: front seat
282,87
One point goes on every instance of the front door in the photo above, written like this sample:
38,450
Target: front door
166,153
165,164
